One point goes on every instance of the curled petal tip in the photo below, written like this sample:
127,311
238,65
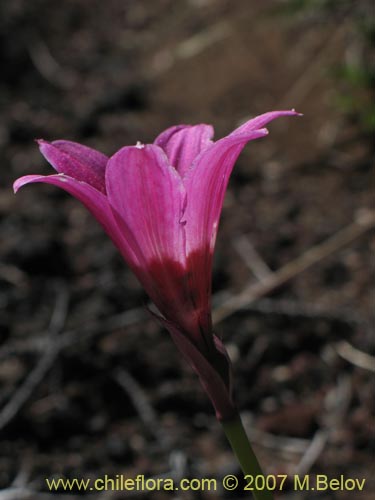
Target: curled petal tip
42,144
19,183
297,113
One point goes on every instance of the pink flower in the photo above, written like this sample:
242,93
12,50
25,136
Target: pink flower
160,203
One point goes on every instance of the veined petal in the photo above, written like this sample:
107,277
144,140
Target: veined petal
207,180
206,183
77,161
148,195
95,202
183,143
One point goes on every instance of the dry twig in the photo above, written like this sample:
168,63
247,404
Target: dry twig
336,406
141,403
23,393
48,67
252,258
296,308
294,268
312,452
355,356
86,331
191,47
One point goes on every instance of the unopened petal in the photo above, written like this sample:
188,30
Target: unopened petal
77,161
183,144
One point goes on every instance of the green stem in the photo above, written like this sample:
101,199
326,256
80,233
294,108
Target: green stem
241,447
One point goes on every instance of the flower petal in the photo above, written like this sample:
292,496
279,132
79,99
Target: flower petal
183,143
147,195
94,201
206,183
77,161
262,120
163,138
207,180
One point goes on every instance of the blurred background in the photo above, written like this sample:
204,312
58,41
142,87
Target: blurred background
89,384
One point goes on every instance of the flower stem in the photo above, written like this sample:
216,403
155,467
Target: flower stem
241,447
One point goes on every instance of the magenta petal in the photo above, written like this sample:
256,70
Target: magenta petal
262,120
76,161
94,201
163,138
206,183
207,180
93,158
216,380
183,144
147,195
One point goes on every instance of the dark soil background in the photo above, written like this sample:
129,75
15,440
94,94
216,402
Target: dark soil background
89,383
